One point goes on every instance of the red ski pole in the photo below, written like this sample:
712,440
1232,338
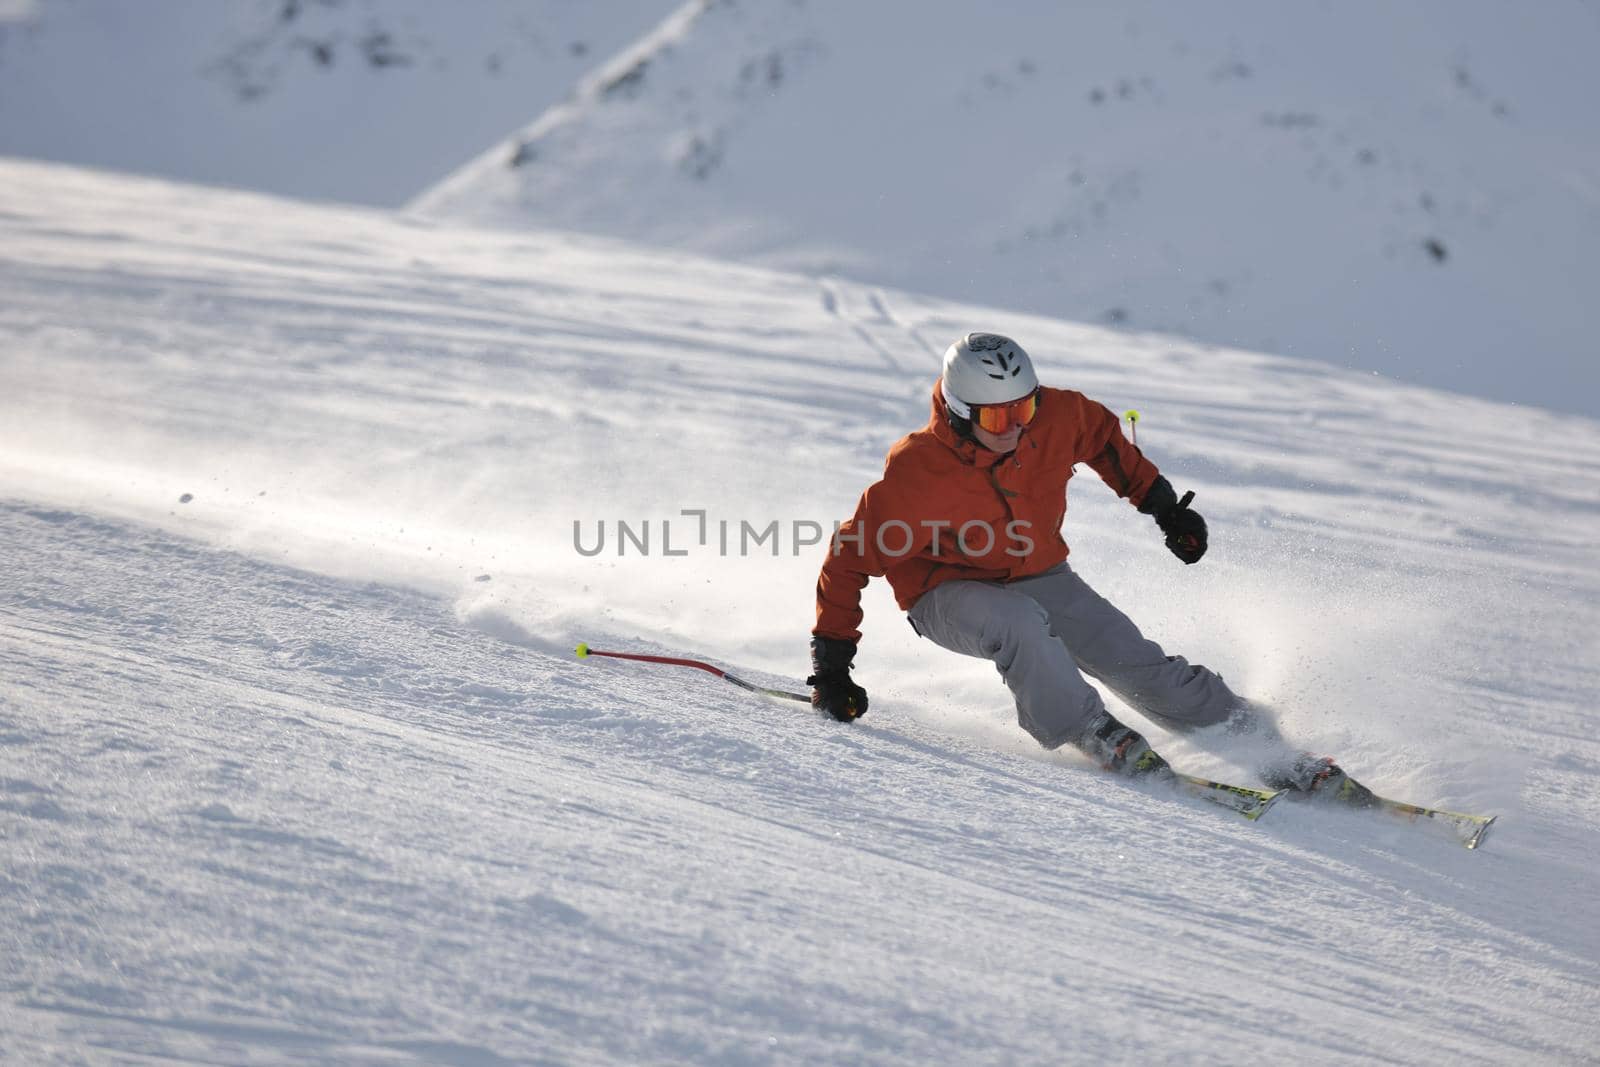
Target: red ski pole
584,652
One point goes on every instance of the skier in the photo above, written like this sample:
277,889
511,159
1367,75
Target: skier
966,526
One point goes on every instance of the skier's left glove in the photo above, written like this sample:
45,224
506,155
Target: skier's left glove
832,690
1185,529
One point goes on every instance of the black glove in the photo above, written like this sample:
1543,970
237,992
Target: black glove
832,690
1185,529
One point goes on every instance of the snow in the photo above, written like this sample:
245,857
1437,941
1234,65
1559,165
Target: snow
356,100
1409,190
302,769
1412,191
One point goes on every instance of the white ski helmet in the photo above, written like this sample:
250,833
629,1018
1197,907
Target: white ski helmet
985,368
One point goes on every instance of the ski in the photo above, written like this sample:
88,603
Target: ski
1318,780
1468,830
1251,803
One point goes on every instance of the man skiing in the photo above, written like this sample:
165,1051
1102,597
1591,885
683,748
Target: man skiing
966,526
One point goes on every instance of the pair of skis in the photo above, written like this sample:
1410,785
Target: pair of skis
1252,804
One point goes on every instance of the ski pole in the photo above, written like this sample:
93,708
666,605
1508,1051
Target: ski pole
584,652
1133,424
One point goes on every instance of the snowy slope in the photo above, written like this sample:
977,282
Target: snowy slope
356,100
302,769
1407,189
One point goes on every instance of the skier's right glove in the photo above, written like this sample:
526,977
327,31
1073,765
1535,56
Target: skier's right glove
832,690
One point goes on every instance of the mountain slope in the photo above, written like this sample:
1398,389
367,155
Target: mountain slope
300,768
1412,191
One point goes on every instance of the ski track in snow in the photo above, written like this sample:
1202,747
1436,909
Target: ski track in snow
302,769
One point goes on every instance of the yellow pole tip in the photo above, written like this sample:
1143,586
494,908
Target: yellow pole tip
582,650
1131,415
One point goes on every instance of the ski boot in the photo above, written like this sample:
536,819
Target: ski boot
1123,751
1319,778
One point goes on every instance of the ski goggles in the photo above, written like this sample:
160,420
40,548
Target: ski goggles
999,418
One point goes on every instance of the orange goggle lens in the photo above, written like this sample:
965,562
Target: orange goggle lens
998,418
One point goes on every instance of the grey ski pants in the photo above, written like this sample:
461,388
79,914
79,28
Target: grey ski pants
1040,632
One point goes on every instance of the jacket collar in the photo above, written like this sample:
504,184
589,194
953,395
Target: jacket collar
969,451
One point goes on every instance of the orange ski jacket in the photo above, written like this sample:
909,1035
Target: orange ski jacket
947,508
